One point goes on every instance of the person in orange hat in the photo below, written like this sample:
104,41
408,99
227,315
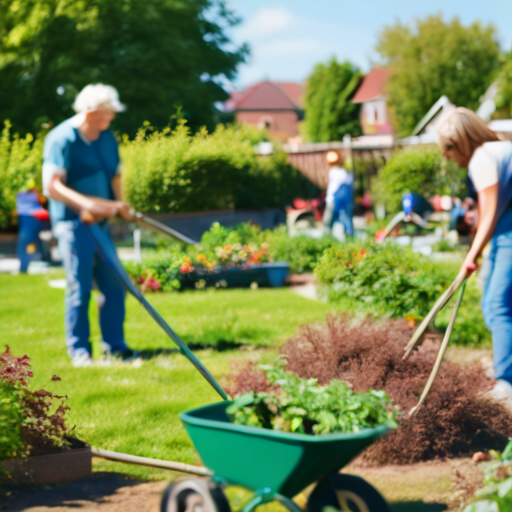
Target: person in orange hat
339,201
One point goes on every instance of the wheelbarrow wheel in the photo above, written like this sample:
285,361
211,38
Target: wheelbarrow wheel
194,495
347,493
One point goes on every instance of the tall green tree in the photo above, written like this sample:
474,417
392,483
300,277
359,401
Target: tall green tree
330,113
159,54
432,57
504,97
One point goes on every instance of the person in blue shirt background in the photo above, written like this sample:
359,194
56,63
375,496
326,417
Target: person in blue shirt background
81,177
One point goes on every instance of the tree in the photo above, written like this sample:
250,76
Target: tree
159,54
435,58
330,113
504,97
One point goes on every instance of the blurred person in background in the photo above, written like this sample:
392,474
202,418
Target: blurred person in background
81,176
465,139
339,200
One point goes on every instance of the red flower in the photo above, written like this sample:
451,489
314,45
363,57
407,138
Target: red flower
152,284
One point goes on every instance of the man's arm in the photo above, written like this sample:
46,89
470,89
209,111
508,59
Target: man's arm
90,209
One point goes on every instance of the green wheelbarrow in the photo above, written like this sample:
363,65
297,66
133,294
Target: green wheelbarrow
275,466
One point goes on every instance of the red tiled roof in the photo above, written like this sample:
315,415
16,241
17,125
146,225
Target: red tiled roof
267,96
372,86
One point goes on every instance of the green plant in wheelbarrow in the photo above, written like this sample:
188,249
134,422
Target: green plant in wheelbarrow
278,462
303,406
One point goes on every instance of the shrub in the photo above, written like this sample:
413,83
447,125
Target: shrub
33,422
382,279
422,171
457,417
174,171
20,168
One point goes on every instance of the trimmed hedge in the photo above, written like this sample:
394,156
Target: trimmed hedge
174,171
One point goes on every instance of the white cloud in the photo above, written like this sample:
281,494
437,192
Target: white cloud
289,47
267,21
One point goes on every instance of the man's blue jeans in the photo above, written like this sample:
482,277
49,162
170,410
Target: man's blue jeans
83,265
497,300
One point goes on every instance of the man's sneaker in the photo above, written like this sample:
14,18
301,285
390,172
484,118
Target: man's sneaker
81,360
502,393
126,355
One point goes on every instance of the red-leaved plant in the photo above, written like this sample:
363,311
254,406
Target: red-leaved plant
43,427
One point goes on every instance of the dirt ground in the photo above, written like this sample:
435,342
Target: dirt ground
418,488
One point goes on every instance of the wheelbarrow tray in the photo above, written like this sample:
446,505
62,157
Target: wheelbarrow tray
259,458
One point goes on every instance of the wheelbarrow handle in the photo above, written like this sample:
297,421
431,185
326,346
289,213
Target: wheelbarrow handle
161,228
459,280
441,352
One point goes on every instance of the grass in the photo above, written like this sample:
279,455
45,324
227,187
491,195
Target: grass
135,410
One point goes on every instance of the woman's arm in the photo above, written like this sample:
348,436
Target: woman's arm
487,207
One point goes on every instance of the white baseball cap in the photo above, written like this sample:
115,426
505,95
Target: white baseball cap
93,96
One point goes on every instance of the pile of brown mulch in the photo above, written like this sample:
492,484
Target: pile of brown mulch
456,419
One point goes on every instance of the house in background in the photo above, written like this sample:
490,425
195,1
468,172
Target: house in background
374,116
276,106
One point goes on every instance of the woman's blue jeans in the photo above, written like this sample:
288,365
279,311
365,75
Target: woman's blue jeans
83,265
497,299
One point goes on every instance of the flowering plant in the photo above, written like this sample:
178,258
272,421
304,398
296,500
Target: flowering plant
30,421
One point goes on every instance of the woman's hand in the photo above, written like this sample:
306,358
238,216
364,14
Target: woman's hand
469,265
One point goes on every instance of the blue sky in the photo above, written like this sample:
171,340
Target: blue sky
288,37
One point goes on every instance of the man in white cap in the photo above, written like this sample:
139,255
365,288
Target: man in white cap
81,176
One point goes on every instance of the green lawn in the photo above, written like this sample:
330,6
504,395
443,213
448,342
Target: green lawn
135,410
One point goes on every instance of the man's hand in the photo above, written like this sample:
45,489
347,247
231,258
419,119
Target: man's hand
98,212
124,210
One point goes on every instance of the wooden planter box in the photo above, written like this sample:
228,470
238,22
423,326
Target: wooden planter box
65,466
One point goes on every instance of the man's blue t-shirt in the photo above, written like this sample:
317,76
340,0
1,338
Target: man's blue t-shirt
86,166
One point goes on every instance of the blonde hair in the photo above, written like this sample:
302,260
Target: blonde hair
464,131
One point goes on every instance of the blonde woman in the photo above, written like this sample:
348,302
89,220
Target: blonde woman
468,141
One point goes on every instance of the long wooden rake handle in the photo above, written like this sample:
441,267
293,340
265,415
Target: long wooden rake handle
441,353
433,312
